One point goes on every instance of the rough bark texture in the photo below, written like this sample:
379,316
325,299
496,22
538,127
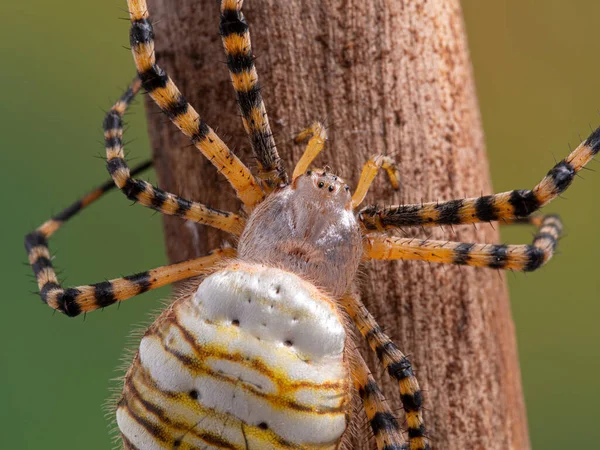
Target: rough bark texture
387,76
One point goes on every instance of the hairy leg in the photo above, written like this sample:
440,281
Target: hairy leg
511,257
73,301
167,96
240,61
504,206
397,366
381,419
143,192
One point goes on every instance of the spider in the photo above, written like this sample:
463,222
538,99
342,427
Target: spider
259,352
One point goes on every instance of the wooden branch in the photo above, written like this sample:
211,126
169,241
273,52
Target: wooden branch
389,77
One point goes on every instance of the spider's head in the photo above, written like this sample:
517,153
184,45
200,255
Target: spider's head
308,228
320,186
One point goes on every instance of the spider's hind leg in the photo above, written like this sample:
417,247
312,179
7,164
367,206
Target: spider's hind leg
397,365
381,419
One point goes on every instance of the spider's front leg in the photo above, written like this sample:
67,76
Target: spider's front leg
316,135
166,95
368,174
504,206
240,61
510,257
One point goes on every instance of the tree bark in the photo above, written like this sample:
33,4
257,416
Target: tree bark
386,76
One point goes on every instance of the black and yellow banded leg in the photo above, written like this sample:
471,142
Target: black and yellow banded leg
383,423
524,258
143,192
50,226
368,174
81,299
504,206
166,95
73,301
397,366
316,135
240,61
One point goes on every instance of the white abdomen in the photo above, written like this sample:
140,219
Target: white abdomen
253,360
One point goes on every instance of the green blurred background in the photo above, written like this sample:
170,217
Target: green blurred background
537,79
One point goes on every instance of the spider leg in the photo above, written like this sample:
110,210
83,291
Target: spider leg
397,366
73,301
511,257
240,61
76,300
143,192
166,95
368,174
506,205
381,419
316,135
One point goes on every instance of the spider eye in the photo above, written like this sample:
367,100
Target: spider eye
309,172
347,188
331,188
321,184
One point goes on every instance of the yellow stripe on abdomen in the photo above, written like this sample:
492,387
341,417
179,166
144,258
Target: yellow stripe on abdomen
255,359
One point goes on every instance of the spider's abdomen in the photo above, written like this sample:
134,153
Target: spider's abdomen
254,360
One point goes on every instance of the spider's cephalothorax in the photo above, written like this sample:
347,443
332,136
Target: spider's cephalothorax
307,228
259,354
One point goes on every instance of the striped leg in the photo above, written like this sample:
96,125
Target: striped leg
368,174
316,135
240,61
166,95
143,192
74,301
50,226
383,423
397,366
511,257
507,205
